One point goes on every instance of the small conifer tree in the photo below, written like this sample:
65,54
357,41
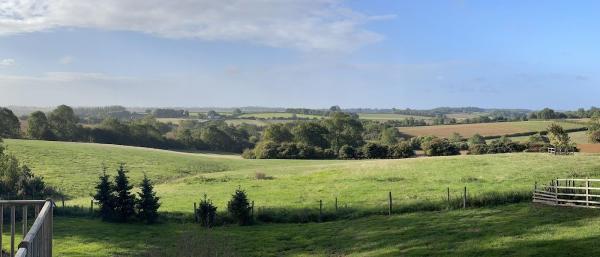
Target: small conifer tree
104,195
239,207
124,201
147,204
207,212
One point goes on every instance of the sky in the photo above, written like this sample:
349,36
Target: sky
300,53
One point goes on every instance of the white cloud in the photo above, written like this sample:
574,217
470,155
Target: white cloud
66,60
300,24
7,62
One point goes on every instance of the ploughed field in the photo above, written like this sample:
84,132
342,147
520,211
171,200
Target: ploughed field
293,185
487,129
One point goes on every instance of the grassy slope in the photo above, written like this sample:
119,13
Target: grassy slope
184,178
508,230
516,230
389,116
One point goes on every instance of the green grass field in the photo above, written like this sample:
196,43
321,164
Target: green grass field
389,116
183,178
275,115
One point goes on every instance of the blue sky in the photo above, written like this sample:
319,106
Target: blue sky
300,53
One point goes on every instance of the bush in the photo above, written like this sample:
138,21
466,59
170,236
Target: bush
248,154
266,150
478,149
239,208
347,152
439,147
594,136
262,176
374,151
401,150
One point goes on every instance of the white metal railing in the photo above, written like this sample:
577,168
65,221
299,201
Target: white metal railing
37,240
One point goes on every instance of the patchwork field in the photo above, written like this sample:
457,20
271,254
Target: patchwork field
182,178
485,129
389,116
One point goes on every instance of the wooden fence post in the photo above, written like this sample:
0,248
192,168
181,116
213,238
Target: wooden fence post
195,213
465,198
556,191
390,203
320,210
62,197
448,191
12,231
1,225
336,205
252,210
92,206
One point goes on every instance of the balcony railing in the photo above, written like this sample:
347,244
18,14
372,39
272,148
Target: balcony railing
37,240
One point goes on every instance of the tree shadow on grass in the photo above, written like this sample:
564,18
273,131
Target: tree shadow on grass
517,230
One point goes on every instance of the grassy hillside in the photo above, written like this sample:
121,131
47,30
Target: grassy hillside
183,178
485,129
515,230
389,116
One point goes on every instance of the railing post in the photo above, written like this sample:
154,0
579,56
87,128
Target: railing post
12,231
390,203
1,225
556,191
24,220
587,192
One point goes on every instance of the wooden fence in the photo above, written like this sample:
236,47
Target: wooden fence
37,240
561,151
572,192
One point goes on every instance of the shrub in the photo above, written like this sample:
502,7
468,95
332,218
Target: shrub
401,150
239,207
266,150
207,212
288,151
373,151
248,154
439,147
347,152
476,140
594,136
478,149
262,176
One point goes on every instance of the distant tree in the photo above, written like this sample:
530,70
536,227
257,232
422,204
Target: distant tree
374,151
38,126
10,127
343,129
105,196
476,139
278,133
546,114
237,112
124,201
147,203
63,123
239,207
455,138
594,129
401,150
311,133
335,108
212,115
390,136
266,150
207,212
558,136
439,147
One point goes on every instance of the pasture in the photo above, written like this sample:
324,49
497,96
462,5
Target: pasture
485,129
182,178
389,116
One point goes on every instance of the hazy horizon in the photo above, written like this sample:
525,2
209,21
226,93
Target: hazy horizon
313,54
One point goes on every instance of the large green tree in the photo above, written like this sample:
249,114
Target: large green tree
38,126
390,136
311,133
10,127
344,129
63,123
278,133
558,136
